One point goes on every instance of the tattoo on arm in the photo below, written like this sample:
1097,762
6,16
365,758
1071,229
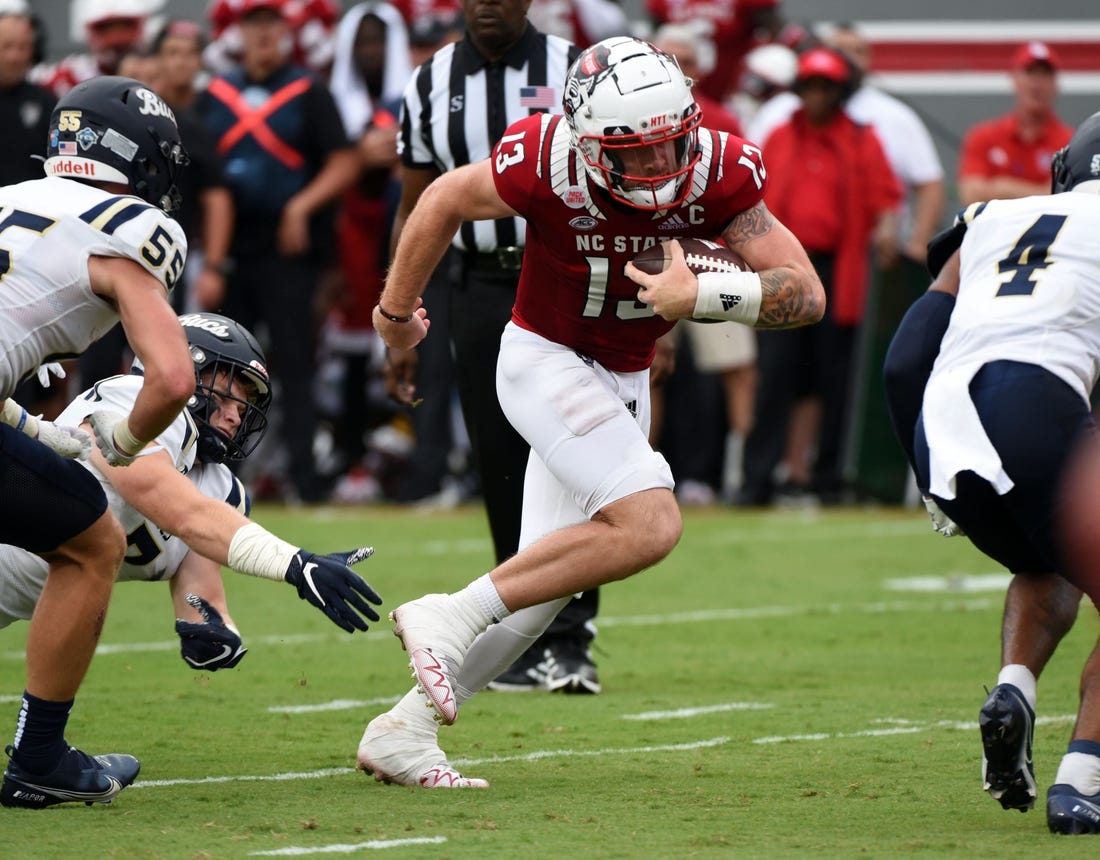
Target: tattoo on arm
784,303
750,224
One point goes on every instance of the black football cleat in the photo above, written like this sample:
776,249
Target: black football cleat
525,674
1007,724
1071,813
78,777
569,668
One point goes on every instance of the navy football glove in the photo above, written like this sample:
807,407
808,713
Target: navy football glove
209,646
326,582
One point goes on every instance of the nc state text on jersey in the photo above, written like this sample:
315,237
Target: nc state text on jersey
618,244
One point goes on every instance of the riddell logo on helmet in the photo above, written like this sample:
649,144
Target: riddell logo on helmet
71,166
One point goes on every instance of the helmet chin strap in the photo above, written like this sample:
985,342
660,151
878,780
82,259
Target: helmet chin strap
211,446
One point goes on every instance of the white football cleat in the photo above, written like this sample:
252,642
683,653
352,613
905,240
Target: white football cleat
396,751
437,635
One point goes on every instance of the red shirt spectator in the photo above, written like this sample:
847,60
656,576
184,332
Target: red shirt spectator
829,185
1010,156
998,148
830,182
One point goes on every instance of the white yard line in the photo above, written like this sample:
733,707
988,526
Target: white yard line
542,754
905,727
338,848
684,713
749,613
340,771
273,777
956,583
334,705
898,726
688,617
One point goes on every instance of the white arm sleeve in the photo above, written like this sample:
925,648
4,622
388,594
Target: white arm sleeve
256,551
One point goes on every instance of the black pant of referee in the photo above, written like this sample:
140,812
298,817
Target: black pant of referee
480,309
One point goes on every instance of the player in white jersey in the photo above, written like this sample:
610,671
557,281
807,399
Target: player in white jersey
179,504
991,424
80,250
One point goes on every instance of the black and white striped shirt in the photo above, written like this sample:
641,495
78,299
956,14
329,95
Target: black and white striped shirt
458,104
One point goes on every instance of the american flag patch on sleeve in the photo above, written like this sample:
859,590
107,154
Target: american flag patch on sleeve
537,97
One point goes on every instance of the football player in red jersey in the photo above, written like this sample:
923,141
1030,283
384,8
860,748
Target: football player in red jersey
626,166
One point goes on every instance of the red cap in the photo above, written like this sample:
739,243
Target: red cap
822,63
1034,52
247,7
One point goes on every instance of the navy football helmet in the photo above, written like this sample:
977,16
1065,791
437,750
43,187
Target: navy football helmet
223,351
1079,160
115,129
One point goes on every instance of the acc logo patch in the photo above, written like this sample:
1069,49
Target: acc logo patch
584,222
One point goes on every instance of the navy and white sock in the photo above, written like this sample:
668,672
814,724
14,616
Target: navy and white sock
1080,767
40,733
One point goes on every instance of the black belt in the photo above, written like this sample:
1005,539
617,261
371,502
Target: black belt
509,258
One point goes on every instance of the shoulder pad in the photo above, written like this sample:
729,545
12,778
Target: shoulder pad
239,497
947,242
156,241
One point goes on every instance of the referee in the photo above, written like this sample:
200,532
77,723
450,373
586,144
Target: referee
456,107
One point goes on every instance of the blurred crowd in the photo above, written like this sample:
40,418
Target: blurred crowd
293,186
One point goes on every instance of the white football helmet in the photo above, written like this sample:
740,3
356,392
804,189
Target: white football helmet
633,118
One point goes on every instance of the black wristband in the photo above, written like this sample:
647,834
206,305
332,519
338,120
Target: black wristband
391,317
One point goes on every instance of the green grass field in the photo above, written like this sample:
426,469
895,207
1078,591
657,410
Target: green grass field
768,692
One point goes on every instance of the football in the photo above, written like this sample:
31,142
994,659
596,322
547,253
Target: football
701,256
